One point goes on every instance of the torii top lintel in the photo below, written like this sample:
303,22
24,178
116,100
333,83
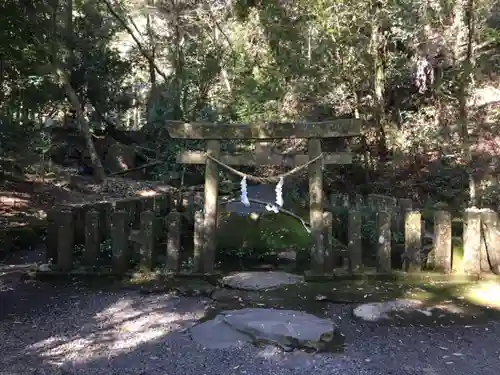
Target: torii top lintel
265,130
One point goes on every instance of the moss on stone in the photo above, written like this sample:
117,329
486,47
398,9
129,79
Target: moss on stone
259,236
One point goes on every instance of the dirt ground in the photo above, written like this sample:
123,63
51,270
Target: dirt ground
72,329
24,202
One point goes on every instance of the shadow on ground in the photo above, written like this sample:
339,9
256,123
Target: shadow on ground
48,326
73,328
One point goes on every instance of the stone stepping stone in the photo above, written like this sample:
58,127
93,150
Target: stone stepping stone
286,329
257,280
216,334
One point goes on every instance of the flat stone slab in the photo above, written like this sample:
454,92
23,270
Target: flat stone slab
404,308
260,280
216,334
286,329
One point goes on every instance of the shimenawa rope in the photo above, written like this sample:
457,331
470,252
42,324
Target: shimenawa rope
265,180
276,208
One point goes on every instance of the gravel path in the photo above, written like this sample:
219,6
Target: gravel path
56,330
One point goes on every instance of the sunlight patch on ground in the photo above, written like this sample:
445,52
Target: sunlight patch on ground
485,95
147,193
119,328
13,201
484,294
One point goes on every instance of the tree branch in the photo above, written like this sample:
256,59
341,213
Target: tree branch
142,50
148,165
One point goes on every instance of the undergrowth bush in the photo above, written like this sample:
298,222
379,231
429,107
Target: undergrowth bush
243,239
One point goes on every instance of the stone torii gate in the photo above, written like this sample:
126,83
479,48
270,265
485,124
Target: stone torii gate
214,133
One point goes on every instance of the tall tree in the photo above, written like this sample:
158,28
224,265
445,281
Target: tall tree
466,9
64,77
378,51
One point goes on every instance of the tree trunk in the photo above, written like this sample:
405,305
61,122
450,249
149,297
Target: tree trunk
152,44
99,174
178,64
69,35
465,8
1,78
55,36
378,59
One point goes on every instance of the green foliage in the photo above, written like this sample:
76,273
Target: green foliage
98,69
369,238
249,61
242,8
242,239
34,37
368,225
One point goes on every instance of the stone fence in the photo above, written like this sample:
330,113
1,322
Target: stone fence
148,231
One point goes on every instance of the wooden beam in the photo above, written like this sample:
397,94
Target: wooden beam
253,159
270,130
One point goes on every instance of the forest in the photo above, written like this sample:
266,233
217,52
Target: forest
421,76
116,256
